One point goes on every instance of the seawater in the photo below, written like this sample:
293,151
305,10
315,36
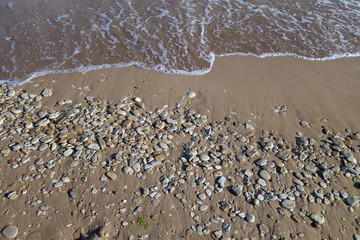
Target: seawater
38,37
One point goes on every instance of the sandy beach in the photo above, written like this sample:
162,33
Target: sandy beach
258,148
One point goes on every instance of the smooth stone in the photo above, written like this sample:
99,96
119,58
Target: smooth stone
94,146
261,182
264,175
250,218
68,152
204,157
46,92
318,218
352,201
356,237
261,162
203,207
288,204
201,196
10,231
191,94
347,154
11,93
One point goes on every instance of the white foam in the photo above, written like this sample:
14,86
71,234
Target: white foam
164,69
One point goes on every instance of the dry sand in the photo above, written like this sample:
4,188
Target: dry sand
246,89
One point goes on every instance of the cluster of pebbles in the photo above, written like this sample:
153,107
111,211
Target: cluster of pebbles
95,168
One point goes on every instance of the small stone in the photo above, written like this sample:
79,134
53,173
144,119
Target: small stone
221,181
288,204
250,218
10,231
261,162
203,208
11,93
68,152
111,175
94,146
264,175
126,124
236,190
352,201
318,218
204,157
356,237
191,94
72,193
46,92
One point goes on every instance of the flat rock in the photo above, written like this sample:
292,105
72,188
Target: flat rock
46,92
236,190
261,162
191,94
10,231
94,146
288,204
111,175
318,218
352,201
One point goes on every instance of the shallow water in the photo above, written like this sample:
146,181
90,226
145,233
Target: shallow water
40,36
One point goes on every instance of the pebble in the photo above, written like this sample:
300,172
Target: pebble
10,231
264,175
191,94
356,237
236,190
111,175
221,181
204,157
352,201
318,218
250,218
288,204
203,207
261,162
46,92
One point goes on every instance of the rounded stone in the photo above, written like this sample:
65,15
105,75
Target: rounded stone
203,207
10,231
288,204
318,218
191,94
261,161
264,175
11,93
204,157
250,218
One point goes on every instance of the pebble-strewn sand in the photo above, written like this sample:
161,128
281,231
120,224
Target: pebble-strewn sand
257,149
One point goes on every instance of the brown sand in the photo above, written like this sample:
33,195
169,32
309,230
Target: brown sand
245,88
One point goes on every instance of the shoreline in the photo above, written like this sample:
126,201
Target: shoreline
263,148
139,65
